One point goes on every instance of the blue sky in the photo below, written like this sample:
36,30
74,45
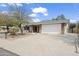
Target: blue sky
48,11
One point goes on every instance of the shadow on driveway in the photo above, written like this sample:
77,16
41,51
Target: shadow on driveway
70,39
4,52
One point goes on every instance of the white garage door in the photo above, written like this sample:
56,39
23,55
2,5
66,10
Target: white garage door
54,28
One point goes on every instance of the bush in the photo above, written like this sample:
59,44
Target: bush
2,28
71,27
13,30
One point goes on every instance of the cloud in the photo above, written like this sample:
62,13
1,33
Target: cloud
18,4
3,5
27,3
33,15
36,20
45,14
42,10
39,10
5,12
73,21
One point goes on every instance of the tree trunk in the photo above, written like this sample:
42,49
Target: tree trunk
72,30
21,28
7,27
6,35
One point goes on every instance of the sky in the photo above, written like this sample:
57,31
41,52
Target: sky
47,11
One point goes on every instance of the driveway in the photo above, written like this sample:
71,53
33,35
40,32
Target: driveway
40,45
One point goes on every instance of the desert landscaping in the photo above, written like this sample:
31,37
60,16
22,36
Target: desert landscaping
38,29
36,44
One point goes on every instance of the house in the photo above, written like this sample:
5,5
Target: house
56,26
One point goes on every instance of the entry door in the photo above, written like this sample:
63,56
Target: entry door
36,29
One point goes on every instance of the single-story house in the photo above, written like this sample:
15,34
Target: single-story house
50,26
57,26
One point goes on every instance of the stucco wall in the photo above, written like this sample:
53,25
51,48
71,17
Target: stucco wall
66,28
51,28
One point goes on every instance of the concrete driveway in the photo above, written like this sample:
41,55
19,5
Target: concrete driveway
40,45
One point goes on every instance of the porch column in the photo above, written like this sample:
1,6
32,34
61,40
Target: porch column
37,28
40,28
31,29
62,28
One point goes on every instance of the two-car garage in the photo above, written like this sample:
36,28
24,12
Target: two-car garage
51,28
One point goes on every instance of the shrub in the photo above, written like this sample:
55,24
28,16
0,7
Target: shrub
13,30
71,27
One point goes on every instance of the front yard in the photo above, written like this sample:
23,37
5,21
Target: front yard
40,44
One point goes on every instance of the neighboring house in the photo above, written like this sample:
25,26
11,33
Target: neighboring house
56,26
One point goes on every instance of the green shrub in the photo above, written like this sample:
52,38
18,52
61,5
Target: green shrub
13,30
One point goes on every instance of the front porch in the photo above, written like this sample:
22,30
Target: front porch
33,28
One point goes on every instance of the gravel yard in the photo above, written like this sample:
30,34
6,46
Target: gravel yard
40,45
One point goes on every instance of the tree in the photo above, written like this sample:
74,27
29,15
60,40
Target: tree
71,27
61,17
6,20
77,40
20,14
78,24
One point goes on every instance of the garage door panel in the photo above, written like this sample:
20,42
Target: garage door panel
55,28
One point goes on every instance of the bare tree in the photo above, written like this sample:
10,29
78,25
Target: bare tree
20,14
77,39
